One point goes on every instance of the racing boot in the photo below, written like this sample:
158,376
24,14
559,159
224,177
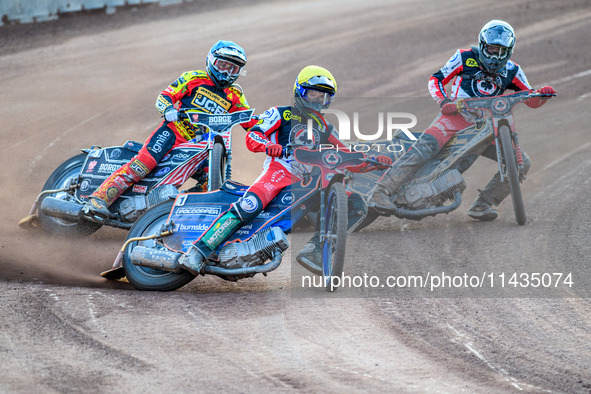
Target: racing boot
482,209
422,150
98,204
96,207
493,194
310,257
381,198
193,260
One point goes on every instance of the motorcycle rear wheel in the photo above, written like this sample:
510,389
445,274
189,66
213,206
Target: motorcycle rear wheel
145,278
512,173
61,178
217,166
335,243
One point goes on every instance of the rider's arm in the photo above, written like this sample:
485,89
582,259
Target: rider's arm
520,82
438,80
169,96
239,103
333,137
336,142
257,138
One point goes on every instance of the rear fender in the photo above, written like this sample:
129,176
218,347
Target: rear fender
173,168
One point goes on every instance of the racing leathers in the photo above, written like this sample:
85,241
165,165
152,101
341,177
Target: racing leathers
276,128
193,89
469,80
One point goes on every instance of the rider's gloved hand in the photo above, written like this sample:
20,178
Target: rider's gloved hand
547,90
171,115
536,102
385,160
274,150
448,107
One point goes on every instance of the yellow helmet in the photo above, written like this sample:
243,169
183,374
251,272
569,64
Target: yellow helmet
318,79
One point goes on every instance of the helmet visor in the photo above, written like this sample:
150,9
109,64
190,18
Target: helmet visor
321,83
495,51
226,67
317,97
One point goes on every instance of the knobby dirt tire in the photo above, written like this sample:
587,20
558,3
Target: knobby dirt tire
508,152
144,278
60,178
217,166
335,226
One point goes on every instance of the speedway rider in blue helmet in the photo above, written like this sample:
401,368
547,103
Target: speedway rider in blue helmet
211,91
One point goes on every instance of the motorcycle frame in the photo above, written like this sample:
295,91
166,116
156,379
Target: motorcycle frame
307,195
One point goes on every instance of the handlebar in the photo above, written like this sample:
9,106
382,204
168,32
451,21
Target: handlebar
497,105
215,122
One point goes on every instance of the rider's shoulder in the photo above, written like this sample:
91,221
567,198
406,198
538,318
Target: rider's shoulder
237,89
194,74
273,113
512,66
457,58
283,108
288,113
468,53
465,59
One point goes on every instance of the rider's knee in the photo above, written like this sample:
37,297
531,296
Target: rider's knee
139,168
247,208
427,145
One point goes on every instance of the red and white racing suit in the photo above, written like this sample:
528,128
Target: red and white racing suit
278,125
469,81
284,125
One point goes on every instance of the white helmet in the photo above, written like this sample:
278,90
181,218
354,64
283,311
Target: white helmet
495,43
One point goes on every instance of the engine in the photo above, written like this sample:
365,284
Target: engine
255,251
428,194
131,208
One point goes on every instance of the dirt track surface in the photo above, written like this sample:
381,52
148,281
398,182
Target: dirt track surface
65,329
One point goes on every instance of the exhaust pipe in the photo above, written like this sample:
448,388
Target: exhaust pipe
167,260
262,269
418,214
156,258
61,209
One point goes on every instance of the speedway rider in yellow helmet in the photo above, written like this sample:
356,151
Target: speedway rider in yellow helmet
277,127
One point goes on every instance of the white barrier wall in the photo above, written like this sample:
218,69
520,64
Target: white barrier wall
28,11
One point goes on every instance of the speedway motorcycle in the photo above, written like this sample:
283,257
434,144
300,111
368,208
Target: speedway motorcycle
440,179
207,159
149,258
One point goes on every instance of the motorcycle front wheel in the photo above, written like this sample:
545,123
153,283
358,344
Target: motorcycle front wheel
512,173
217,165
59,179
335,242
145,278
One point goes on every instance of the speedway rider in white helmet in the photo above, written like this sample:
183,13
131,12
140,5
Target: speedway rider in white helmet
480,71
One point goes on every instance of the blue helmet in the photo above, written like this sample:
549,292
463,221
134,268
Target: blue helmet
224,63
495,43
